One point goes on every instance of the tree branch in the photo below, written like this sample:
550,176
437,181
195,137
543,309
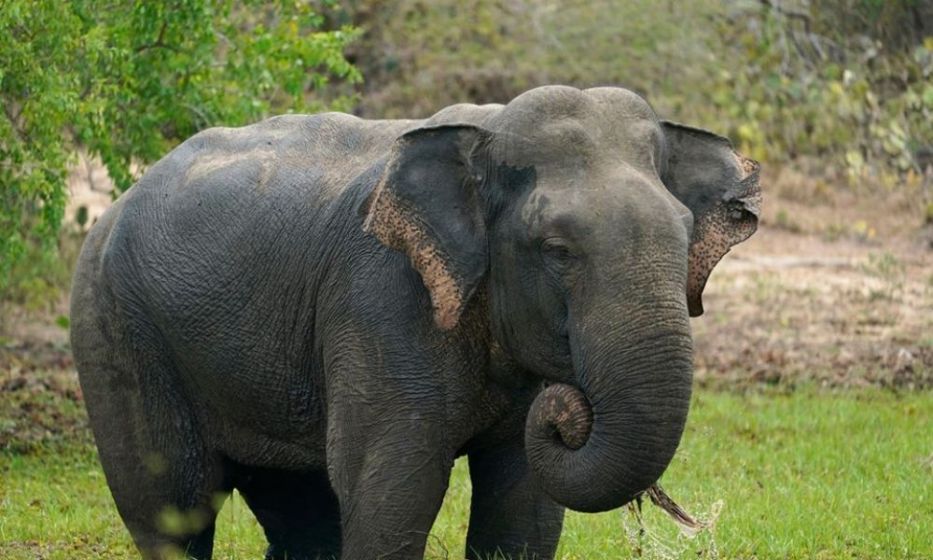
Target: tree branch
158,42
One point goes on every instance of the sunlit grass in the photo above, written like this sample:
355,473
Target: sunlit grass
808,474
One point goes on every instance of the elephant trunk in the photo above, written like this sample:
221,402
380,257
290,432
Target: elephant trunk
596,447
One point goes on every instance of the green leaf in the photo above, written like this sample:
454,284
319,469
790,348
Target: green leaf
63,321
127,81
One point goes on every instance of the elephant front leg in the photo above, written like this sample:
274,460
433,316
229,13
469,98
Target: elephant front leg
510,516
390,483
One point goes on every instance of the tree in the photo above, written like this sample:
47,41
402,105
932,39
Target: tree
127,81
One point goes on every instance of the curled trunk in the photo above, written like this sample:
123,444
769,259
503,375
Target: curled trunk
596,446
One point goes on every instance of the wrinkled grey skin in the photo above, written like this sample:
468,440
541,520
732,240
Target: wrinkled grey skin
323,312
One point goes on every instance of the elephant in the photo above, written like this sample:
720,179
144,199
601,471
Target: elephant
323,312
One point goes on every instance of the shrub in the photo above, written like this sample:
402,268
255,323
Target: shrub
127,81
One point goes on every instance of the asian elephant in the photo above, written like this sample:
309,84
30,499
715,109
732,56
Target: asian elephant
323,312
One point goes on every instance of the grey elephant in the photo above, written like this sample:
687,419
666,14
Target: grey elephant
323,312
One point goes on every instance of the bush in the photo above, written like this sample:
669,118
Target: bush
843,81
126,81
846,81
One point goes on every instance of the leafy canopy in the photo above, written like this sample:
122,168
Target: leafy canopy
126,81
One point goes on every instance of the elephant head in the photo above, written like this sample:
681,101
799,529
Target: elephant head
592,227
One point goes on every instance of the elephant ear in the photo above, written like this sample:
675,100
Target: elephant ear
427,206
721,188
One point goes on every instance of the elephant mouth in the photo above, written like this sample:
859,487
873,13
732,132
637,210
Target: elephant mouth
562,412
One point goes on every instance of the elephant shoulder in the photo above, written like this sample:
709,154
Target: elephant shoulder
323,145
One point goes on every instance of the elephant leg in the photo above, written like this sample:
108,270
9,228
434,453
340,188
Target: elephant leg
390,484
166,483
298,512
510,517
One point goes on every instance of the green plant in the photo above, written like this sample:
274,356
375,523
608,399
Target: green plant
884,265
847,81
127,81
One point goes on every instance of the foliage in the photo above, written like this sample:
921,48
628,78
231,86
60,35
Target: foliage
419,56
126,81
847,82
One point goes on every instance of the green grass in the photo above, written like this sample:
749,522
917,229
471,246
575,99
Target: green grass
809,474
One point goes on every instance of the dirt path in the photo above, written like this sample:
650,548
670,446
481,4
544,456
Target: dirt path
834,288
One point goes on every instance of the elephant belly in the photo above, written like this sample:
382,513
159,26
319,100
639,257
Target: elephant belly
260,414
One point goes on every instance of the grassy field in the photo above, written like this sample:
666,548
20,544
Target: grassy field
806,473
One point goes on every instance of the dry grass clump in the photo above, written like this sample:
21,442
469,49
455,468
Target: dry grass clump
694,533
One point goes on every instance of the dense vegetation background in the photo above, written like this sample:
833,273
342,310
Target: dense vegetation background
127,81
849,79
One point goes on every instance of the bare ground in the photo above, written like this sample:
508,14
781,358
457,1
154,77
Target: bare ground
836,288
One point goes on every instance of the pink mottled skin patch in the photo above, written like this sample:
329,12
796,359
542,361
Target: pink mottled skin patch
397,229
716,231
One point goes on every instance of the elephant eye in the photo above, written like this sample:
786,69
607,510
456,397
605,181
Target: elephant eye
558,254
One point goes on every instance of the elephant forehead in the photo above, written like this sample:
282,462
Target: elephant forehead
578,200
555,143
